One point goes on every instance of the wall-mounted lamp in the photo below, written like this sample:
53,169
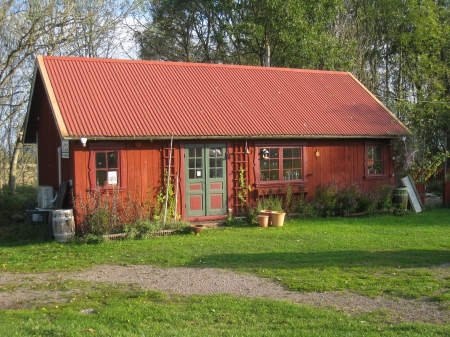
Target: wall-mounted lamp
247,151
403,138
317,154
265,154
393,158
83,141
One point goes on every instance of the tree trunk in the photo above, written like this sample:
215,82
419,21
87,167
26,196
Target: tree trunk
13,165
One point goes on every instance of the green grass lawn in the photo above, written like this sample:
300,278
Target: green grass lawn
400,257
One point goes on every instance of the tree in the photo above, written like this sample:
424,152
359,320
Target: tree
31,27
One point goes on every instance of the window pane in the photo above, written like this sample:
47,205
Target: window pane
274,164
274,175
112,160
264,164
287,153
101,178
100,160
378,153
287,164
296,152
296,164
287,175
274,152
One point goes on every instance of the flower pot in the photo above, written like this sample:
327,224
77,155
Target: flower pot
278,218
267,212
196,229
263,220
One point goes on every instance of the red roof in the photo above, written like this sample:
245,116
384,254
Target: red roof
107,98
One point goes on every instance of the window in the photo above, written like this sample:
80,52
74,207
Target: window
374,160
105,165
106,168
280,163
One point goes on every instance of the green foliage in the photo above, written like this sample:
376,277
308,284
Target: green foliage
15,203
166,189
144,229
242,191
347,198
272,202
325,198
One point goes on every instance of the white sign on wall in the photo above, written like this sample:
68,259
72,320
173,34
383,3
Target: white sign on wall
65,149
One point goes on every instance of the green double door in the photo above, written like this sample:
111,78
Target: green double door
205,170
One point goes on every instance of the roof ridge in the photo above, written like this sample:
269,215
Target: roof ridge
193,64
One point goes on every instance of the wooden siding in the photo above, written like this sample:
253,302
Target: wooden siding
341,161
48,141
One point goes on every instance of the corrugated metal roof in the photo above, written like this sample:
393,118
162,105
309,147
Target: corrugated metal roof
150,99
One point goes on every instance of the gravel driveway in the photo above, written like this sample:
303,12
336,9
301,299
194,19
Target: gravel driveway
189,281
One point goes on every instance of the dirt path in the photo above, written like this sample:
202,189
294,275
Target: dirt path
189,281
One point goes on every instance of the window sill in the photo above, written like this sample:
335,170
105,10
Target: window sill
105,190
268,188
376,177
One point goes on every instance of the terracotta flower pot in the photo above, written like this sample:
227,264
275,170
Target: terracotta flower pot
278,218
263,220
267,212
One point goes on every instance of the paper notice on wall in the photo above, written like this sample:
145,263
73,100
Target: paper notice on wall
65,149
112,177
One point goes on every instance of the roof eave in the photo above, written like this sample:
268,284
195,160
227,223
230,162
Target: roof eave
230,137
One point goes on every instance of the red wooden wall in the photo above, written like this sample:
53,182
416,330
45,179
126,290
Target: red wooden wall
341,161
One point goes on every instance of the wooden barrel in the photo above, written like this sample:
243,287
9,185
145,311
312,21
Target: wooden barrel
401,197
62,213
63,225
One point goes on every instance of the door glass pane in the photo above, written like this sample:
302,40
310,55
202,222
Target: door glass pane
212,162
198,163
219,173
191,153
212,173
191,163
191,173
198,152
100,160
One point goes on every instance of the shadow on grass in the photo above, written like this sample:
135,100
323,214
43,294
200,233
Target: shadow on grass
340,259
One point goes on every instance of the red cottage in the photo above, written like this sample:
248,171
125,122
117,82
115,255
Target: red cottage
108,124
